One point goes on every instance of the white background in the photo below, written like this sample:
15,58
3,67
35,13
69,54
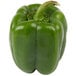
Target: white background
67,65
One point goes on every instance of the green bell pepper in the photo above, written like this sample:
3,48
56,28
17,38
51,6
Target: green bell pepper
38,37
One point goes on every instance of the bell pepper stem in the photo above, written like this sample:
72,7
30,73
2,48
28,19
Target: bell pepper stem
51,2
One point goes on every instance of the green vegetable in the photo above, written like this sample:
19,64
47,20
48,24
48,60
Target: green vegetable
38,37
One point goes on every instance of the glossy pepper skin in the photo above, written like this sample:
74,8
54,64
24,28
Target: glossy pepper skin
38,37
